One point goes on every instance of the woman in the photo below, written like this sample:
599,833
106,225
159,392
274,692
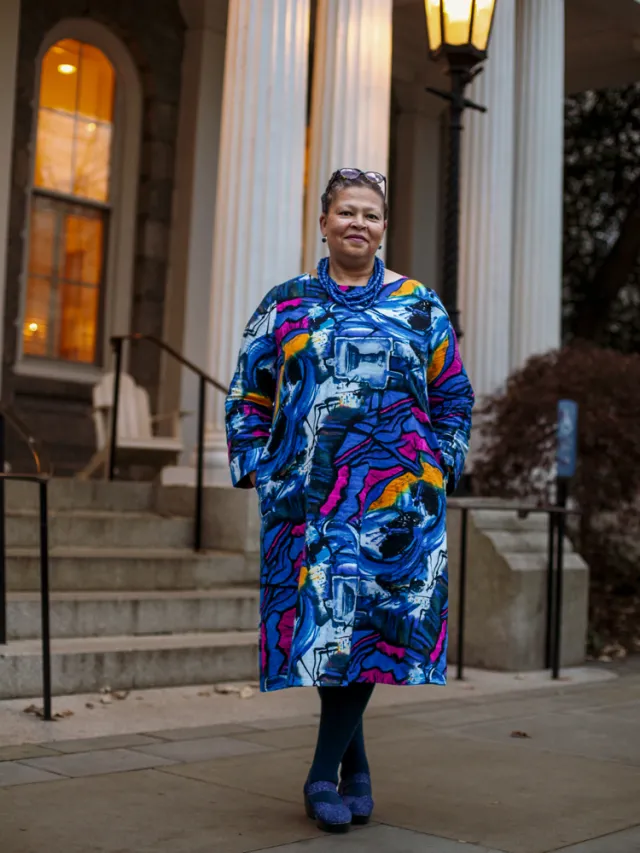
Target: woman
350,412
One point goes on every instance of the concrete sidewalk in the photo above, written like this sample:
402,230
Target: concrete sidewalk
532,771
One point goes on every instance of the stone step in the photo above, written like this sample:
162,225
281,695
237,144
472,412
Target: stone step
127,663
129,569
113,614
537,562
510,521
523,542
100,528
69,494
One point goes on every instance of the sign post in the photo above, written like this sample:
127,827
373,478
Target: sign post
566,460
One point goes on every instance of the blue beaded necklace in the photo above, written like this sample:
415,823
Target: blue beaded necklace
358,298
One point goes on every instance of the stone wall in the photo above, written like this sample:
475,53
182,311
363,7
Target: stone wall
506,593
153,31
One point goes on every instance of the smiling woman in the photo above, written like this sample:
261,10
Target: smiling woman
350,412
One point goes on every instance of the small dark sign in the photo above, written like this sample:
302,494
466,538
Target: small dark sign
567,451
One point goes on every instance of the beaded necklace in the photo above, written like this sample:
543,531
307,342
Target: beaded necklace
357,298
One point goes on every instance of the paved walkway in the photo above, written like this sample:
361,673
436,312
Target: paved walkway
517,772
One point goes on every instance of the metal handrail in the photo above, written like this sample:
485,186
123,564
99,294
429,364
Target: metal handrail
204,379
35,446
555,556
138,336
41,478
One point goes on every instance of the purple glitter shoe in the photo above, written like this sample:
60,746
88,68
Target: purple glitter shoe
356,795
324,805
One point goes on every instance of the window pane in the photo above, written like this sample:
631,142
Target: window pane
78,313
62,306
457,18
73,157
82,251
59,77
54,151
36,318
73,149
96,85
92,164
482,23
43,228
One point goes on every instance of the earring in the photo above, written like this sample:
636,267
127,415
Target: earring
324,239
380,247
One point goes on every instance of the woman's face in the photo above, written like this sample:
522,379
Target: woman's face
355,224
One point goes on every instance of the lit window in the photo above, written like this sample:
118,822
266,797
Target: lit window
70,204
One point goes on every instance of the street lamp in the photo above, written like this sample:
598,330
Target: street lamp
459,31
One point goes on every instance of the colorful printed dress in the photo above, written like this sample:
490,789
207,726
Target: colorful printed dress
354,421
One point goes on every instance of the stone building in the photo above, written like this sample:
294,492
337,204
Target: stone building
161,163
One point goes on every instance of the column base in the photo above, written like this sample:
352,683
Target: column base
216,465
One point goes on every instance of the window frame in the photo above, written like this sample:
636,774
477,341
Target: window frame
121,219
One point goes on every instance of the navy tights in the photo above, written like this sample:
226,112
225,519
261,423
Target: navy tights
341,735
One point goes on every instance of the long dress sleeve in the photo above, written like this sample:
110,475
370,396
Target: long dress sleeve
250,402
451,396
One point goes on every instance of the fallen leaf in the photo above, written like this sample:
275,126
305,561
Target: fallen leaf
90,706
204,693
106,700
33,709
516,733
121,695
227,689
62,714
246,693
105,690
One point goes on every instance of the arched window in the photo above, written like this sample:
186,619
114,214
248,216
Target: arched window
79,252
70,204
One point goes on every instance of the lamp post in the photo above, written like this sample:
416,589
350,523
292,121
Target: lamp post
459,31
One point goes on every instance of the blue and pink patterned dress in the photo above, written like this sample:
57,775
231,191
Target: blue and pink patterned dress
354,421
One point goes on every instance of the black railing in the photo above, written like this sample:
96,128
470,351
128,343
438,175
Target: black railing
557,516
203,380
41,477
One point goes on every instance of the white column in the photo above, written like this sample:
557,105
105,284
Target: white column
259,203
350,101
486,236
537,272
189,293
9,28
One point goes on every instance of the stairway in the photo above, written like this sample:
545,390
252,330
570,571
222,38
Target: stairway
132,606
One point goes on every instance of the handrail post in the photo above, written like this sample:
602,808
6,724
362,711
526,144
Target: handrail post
113,438
44,600
202,399
560,527
3,549
548,647
462,592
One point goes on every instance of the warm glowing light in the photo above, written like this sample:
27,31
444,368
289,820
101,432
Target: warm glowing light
67,240
458,23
